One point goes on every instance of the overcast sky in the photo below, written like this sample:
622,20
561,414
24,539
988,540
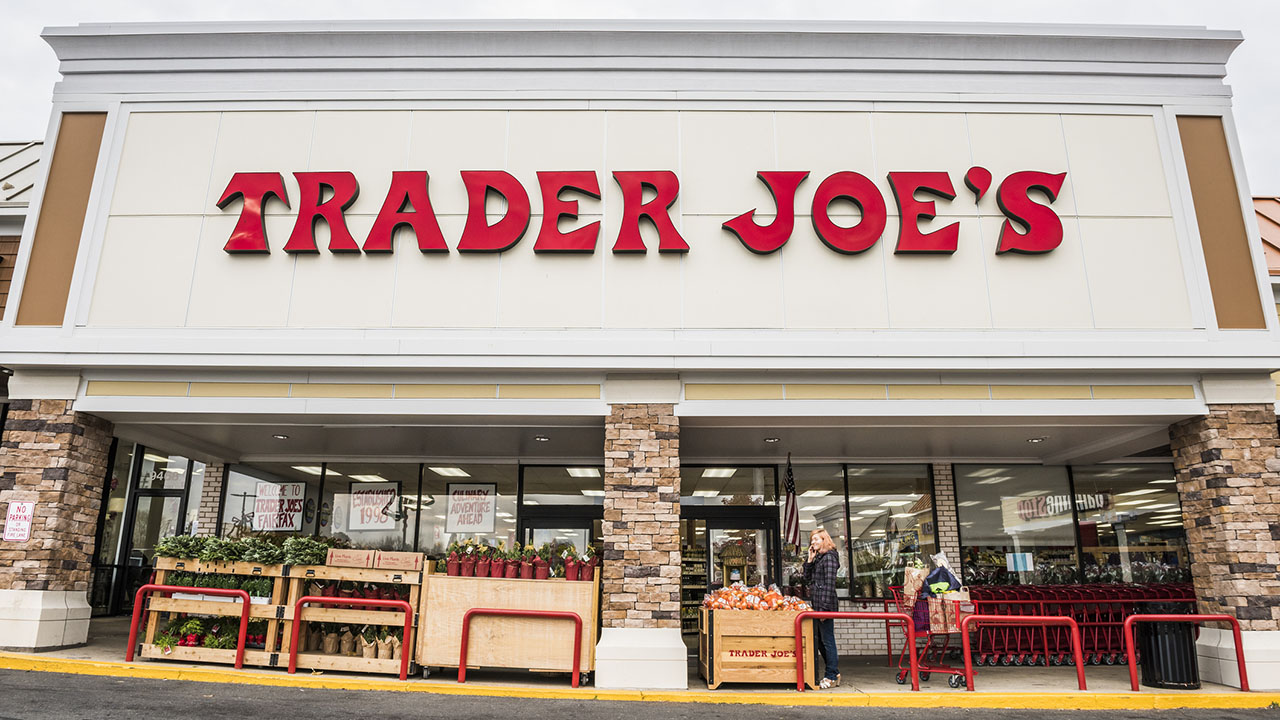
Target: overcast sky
30,69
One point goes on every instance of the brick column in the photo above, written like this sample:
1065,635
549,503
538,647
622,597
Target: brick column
207,519
1228,473
944,502
641,529
56,458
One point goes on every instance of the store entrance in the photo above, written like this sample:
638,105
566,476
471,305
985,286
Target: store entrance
723,546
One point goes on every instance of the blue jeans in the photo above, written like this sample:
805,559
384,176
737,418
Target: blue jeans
825,638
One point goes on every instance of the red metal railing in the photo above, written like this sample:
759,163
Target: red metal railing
402,605
1043,621
1132,620
903,618
148,588
507,612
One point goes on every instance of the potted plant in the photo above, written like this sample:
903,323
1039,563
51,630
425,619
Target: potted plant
570,564
468,559
587,570
482,560
453,564
542,563
346,589
498,564
526,565
369,642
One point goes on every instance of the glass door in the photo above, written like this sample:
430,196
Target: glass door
742,551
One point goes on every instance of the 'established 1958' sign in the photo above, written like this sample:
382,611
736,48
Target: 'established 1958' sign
327,195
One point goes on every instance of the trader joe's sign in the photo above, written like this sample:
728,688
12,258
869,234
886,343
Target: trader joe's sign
373,506
277,507
472,508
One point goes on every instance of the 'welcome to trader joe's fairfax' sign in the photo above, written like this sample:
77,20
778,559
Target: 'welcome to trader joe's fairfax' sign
1031,226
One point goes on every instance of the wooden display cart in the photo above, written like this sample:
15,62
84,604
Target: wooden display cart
160,607
536,644
752,646
301,576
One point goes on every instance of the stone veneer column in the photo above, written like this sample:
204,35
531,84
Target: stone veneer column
207,519
944,503
640,645
1228,475
56,458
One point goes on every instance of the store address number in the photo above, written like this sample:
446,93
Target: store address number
325,196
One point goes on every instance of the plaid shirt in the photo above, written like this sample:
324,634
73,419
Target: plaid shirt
821,577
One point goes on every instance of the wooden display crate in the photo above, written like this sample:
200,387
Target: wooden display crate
301,576
538,644
752,646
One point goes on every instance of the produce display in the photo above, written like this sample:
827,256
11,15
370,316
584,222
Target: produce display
294,550
741,597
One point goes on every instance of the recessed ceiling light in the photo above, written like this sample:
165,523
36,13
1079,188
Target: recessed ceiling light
870,512
593,493
1143,491
862,498
368,478
582,472
986,472
968,503
155,458
901,515
542,438
505,515
1132,502
705,493
991,481
719,472
811,508
440,517
815,493
449,471
772,439
993,507
530,502
280,437
1037,439
309,469
1162,482
175,470
895,503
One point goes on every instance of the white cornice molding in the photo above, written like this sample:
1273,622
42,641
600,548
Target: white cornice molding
441,57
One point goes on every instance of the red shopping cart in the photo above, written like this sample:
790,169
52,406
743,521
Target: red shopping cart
936,625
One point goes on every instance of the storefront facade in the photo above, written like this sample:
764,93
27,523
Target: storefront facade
993,300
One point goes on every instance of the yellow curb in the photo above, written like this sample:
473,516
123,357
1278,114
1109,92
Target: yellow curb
958,698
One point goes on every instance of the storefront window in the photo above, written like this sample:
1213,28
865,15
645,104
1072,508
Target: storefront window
819,504
117,493
890,524
727,485
194,488
1016,525
435,507
366,504
1131,524
246,483
162,471
563,485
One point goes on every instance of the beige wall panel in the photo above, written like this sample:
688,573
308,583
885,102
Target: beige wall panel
446,142
241,290
369,144
1135,273
923,142
638,141
1005,143
129,388
241,149
1040,392
556,140
144,275
235,389
550,291
938,291
442,391
721,152
825,289
1144,392
643,291
519,391
165,165
733,391
804,391
341,390
726,286
445,290
939,392
823,143
343,289
1116,169
1037,291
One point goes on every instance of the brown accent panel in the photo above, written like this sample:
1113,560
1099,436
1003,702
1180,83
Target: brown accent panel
1221,221
57,236
8,258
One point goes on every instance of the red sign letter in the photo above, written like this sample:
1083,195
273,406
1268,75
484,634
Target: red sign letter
408,189
667,187
864,194
764,240
550,239
250,235
911,211
1044,227
311,187
478,235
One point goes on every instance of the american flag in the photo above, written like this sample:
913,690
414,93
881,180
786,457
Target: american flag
790,515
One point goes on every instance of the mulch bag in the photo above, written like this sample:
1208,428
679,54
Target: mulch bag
330,645
386,648
347,643
315,639
368,648
396,647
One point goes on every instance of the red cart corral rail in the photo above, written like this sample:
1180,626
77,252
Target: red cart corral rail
1024,621
402,605
1132,620
148,588
509,612
896,617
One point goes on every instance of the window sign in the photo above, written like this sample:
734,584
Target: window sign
373,506
277,507
472,508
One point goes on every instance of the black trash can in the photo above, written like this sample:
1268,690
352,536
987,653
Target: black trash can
1167,649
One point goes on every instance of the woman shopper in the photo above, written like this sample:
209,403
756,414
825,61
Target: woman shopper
820,574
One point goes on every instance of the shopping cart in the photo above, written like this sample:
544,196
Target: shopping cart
932,653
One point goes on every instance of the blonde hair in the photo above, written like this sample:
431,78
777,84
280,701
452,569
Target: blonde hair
823,542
